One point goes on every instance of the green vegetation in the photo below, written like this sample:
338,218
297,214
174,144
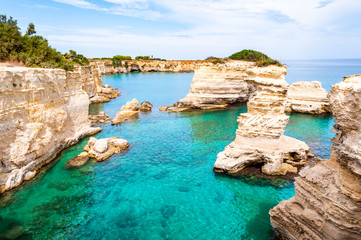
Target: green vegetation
76,58
142,58
261,59
30,49
215,60
117,60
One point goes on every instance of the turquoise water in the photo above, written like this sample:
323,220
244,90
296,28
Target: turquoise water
164,186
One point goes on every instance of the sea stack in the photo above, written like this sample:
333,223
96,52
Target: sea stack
328,194
260,138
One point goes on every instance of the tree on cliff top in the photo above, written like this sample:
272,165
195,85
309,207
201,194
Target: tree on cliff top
260,58
32,50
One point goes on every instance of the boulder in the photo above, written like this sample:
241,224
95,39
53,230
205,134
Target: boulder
102,149
145,106
164,108
127,112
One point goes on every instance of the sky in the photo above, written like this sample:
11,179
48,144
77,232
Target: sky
195,29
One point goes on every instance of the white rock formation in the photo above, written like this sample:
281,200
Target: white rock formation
128,111
307,97
259,137
102,149
41,112
327,203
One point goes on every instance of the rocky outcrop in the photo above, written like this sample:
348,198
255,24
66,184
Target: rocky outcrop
259,137
127,66
164,108
145,106
42,111
218,85
129,111
101,117
327,203
102,149
307,97
106,93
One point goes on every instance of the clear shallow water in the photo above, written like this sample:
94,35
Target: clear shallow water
164,186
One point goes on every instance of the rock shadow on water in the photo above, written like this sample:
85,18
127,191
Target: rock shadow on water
261,221
255,177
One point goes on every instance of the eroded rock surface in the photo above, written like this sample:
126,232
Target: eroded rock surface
259,137
128,111
327,203
42,111
307,97
145,106
102,149
106,93
101,117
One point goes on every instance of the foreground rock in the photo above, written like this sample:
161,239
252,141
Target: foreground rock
307,97
102,149
42,112
259,137
328,194
129,111
101,117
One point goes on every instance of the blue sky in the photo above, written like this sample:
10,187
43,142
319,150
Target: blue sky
195,29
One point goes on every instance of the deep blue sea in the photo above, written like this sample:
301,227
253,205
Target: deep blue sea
164,186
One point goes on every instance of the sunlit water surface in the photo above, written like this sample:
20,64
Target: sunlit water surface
164,186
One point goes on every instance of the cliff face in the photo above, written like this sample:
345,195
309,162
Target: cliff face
307,97
106,66
221,84
327,203
42,111
259,137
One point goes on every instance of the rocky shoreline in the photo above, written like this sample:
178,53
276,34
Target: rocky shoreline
328,193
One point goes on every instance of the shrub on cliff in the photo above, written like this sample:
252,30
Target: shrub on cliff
260,58
117,60
142,57
32,50
76,58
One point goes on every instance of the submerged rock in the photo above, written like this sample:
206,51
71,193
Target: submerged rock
259,137
328,193
78,161
145,106
307,97
102,149
128,111
101,117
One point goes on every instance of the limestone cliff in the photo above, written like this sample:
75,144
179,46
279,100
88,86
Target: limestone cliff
259,137
327,203
106,66
218,85
42,111
307,97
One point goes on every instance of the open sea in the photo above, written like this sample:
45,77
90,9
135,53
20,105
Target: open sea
164,186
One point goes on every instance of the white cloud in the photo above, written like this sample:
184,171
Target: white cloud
281,28
80,4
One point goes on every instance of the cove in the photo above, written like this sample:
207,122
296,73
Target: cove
164,186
